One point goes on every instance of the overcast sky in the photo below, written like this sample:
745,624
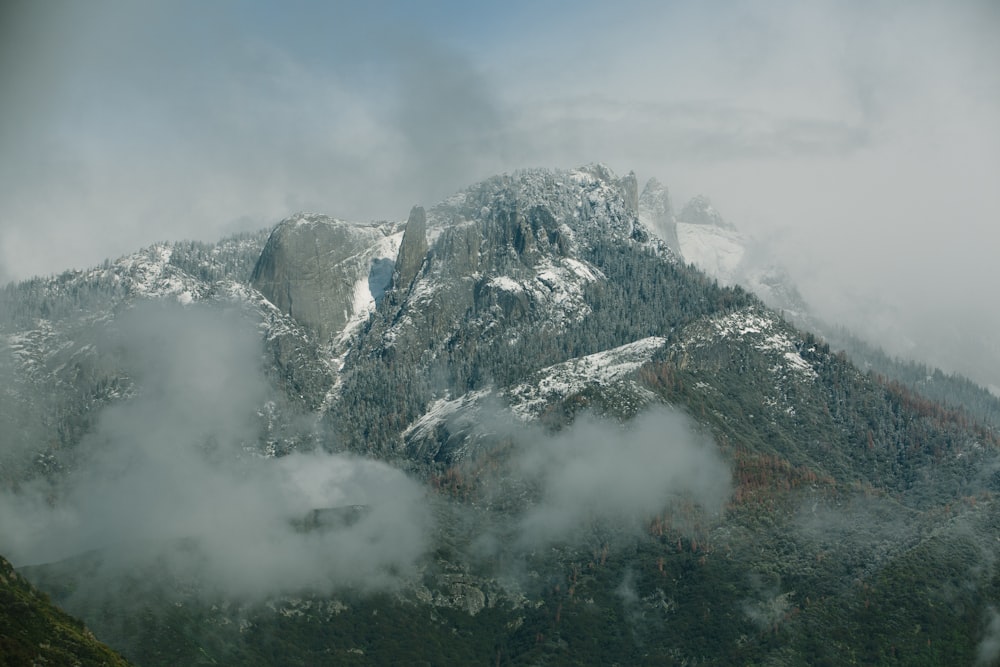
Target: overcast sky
860,139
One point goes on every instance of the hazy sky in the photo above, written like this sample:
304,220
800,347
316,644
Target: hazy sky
862,139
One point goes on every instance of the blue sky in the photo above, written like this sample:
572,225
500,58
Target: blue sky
861,139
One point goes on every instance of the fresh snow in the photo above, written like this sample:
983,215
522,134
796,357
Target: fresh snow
528,399
583,270
506,283
761,329
560,284
363,302
569,377
304,219
716,251
441,411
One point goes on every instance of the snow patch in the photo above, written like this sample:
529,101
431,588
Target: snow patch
363,301
440,411
569,377
583,270
716,251
560,286
506,283
761,329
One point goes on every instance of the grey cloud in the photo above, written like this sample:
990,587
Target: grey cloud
136,124
769,605
988,651
695,133
171,477
606,475
858,135
170,122
452,122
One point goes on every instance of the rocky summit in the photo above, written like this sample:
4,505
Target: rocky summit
520,427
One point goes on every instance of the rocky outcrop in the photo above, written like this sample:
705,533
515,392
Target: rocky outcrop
630,191
657,212
699,211
412,249
318,269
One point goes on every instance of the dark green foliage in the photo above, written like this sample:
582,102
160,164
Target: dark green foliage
948,389
645,294
842,423
34,631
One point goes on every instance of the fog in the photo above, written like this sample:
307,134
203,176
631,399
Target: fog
599,476
170,478
988,651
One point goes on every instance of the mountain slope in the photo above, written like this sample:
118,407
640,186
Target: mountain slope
33,631
608,456
701,236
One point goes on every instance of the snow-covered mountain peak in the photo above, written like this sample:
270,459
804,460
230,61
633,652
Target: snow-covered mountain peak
717,251
655,201
579,194
305,220
699,211
511,249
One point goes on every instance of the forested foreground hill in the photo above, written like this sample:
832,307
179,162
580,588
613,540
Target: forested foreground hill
34,632
514,429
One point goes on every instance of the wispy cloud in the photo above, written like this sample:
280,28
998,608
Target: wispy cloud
601,476
169,479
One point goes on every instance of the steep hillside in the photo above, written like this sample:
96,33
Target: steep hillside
701,236
34,632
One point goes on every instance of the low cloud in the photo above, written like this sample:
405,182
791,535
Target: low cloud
988,651
170,478
601,474
770,605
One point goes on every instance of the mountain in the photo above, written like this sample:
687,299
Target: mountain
701,236
514,428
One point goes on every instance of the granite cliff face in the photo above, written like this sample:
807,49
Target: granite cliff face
503,256
323,272
657,211
412,249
